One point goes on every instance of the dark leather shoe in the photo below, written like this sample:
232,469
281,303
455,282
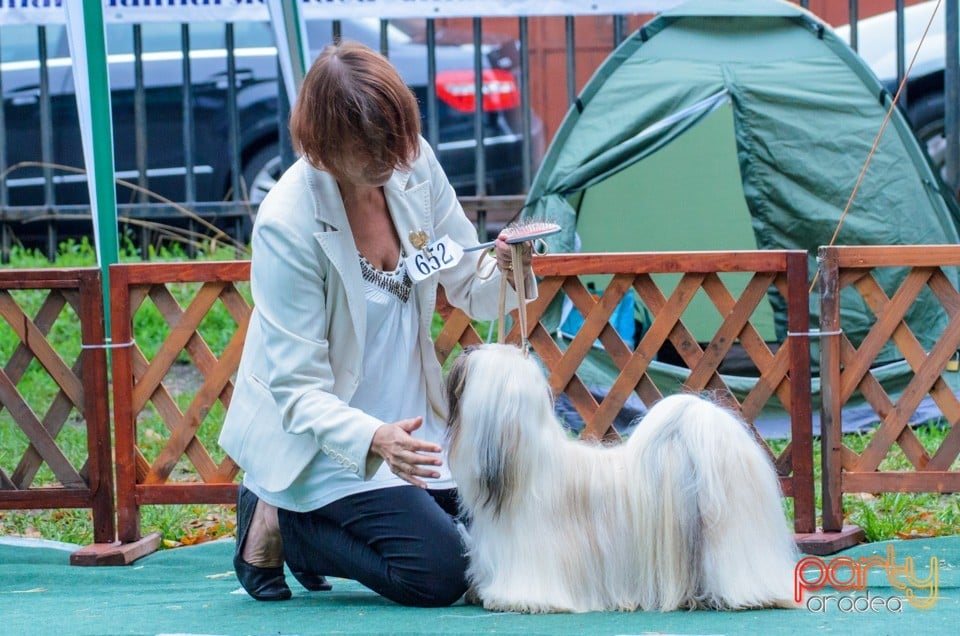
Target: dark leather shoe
263,584
312,582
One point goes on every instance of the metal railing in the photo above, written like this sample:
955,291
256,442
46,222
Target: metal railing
41,201
53,211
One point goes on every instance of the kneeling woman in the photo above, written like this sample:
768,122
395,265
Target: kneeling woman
338,417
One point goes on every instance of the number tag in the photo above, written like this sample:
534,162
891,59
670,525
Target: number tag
442,254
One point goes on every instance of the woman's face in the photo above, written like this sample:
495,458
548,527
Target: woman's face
368,175
361,173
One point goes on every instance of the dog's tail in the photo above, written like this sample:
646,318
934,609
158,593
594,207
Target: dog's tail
710,513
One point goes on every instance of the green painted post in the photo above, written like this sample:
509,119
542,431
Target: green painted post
89,55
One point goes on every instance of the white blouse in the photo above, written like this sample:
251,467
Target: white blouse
392,388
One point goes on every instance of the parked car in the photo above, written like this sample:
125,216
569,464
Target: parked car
256,88
924,96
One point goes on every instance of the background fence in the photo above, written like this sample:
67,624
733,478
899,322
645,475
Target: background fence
849,370
166,451
181,91
178,330
69,395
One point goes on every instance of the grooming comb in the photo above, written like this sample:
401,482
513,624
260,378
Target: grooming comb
520,233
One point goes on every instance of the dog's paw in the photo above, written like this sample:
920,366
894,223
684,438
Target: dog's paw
520,606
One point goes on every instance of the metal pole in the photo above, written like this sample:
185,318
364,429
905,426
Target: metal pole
901,52
4,194
951,90
525,105
46,145
233,117
140,137
571,61
480,150
189,178
433,116
853,23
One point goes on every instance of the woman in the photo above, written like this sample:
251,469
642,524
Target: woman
338,417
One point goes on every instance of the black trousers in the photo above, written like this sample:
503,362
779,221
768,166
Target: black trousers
400,542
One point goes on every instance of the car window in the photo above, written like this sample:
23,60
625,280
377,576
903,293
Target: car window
158,37
19,42
365,30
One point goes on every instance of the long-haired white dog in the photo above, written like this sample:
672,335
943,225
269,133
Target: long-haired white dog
685,514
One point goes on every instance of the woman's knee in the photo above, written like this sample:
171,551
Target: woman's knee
439,592
440,584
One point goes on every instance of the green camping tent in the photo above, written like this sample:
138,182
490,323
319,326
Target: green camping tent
725,124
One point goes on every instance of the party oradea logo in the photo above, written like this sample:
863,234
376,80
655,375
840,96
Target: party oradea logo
848,578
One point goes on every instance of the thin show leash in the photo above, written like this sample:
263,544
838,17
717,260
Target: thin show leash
516,236
876,141
516,270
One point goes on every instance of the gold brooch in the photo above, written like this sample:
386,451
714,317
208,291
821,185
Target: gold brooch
419,239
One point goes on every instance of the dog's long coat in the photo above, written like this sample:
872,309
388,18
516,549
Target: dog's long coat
685,514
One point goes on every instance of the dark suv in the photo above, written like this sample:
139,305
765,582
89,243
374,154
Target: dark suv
256,88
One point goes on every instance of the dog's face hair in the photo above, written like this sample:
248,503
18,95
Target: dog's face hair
454,386
490,454
492,479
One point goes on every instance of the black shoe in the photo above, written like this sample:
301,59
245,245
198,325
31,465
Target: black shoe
263,584
312,582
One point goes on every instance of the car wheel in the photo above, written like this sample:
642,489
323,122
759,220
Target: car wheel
926,115
261,172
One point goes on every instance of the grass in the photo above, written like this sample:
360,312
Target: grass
904,515
884,516
881,515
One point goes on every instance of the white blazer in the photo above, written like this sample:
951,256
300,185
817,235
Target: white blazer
302,356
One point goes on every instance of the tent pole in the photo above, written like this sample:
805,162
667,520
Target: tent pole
88,51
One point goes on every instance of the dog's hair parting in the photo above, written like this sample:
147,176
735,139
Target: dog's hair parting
686,513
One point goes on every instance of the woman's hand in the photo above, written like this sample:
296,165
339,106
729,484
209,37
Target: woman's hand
505,264
403,453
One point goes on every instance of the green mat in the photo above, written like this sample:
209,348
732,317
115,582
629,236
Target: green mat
193,591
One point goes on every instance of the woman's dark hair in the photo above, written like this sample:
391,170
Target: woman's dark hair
354,109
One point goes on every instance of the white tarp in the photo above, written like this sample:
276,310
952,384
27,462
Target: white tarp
51,11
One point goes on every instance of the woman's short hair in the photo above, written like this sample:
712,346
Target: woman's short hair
353,108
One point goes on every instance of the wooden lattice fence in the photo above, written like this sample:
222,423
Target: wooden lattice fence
848,368
179,461
172,318
57,441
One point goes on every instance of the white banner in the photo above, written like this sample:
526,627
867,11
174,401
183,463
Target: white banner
51,11
292,43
